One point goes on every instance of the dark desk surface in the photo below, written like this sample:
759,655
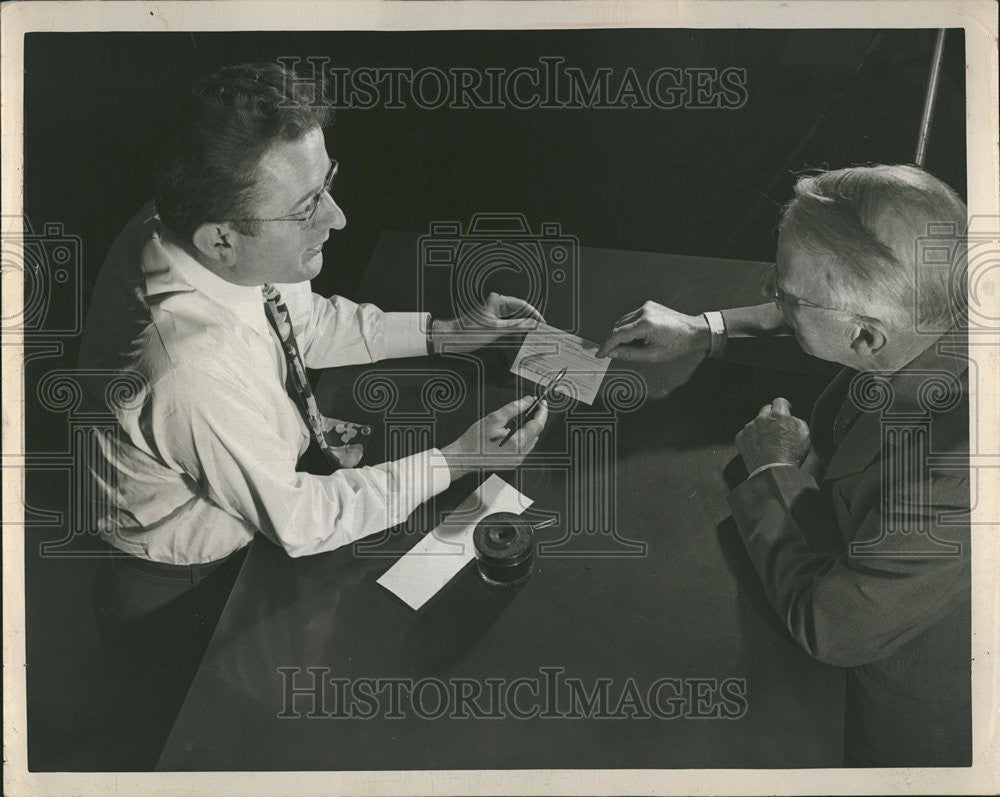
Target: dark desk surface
644,578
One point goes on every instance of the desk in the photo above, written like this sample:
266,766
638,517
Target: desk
643,601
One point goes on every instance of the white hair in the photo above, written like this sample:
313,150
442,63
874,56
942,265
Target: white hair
869,220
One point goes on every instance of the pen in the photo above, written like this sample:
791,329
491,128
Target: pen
524,416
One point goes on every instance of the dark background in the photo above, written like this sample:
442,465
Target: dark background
679,181
702,182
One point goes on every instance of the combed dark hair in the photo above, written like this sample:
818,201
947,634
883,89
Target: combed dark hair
209,170
869,221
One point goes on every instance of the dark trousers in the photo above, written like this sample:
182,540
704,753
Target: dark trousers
155,621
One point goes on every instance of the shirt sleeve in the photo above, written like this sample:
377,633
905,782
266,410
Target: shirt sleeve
336,331
225,444
846,608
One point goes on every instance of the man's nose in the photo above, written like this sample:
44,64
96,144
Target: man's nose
332,216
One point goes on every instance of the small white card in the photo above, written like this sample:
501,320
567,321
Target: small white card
547,350
437,558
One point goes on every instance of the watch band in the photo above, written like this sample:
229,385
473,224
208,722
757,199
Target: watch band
430,334
717,330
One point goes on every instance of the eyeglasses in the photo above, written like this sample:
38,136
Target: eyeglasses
770,289
306,219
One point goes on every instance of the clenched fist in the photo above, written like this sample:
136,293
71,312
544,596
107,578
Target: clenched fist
775,435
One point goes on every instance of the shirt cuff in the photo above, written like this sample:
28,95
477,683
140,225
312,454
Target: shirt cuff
717,330
763,468
405,334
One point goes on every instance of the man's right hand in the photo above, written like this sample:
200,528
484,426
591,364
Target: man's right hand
654,332
479,448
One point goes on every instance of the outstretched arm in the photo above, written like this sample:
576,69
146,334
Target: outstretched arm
657,333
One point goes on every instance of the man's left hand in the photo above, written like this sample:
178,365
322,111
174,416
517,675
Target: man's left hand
499,315
775,435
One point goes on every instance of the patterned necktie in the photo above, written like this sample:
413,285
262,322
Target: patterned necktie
332,436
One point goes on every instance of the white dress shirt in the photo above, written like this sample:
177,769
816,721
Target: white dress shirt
206,453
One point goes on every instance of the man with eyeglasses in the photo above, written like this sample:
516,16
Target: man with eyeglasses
204,303
861,545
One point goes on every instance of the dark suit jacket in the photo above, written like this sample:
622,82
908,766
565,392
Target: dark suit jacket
869,568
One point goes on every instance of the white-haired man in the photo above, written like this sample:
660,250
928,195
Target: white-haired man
862,546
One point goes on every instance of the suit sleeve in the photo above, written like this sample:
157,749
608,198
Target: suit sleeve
759,320
758,336
214,431
842,607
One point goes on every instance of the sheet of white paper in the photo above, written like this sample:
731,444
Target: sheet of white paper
437,558
547,350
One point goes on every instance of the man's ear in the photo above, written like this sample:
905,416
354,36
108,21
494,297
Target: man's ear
868,336
216,243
